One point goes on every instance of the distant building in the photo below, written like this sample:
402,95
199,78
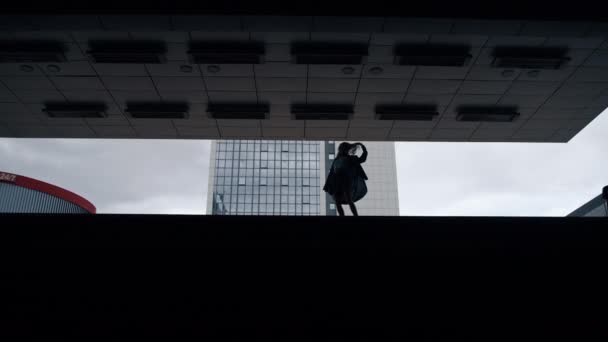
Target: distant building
286,177
19,194
597,207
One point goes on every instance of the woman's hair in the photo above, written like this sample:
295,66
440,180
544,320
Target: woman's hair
345,149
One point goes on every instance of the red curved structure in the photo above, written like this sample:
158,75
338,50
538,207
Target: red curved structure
47,188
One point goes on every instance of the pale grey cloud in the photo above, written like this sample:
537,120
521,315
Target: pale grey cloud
118,176
503,179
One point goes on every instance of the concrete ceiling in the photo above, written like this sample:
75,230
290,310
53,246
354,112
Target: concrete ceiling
554,105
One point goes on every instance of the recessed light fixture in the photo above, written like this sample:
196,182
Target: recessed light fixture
507,73
53,68
214,69
530,57
185,68
406,112
128,52
432,55
329,53
533,73
157,110
321,112
232,52
75,110
32,51
348,70
26,68
376,70
238,111
487,114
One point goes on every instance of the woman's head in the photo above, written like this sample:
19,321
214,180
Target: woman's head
345,149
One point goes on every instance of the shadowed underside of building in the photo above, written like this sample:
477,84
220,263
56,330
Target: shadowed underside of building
360,78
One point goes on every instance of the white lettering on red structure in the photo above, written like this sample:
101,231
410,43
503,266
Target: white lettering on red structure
7,177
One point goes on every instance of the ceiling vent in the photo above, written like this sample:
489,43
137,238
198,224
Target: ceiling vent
136,52
328,53
75,110
321,112
433,55
238,111
237,52
34,51
157,110
487,114
406,112
530,57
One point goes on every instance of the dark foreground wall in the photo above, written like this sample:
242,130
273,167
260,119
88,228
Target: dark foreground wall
116,278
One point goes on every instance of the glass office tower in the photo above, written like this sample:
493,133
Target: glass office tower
266,177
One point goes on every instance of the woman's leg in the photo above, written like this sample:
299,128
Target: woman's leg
338,206
350,202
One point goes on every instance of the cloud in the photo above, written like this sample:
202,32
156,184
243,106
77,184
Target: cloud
126,176
503,179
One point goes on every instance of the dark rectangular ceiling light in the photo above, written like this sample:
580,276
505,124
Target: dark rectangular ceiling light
487,114
328,53
32,51
240,111
406,112
75,110
530,57
432,55
237,52
136,52
321,112
157,110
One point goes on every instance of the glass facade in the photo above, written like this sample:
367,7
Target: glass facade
266,177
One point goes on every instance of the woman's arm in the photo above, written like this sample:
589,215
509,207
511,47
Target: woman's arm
363,157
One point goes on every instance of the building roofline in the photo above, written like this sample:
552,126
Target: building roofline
50,189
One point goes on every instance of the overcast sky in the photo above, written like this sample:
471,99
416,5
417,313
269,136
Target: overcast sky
487,179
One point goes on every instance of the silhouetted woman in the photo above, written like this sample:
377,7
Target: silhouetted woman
346,179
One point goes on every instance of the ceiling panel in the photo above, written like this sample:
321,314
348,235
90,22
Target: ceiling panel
184,96
334,71
78,83
379,98
230,83
80,68
227,70
228,96
178,83
377,85
281,97
331,98
280,70
267,84
124,96
434,87
484,87
39,96
128,83
333,85
27,82
107,69
88,95
177,69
